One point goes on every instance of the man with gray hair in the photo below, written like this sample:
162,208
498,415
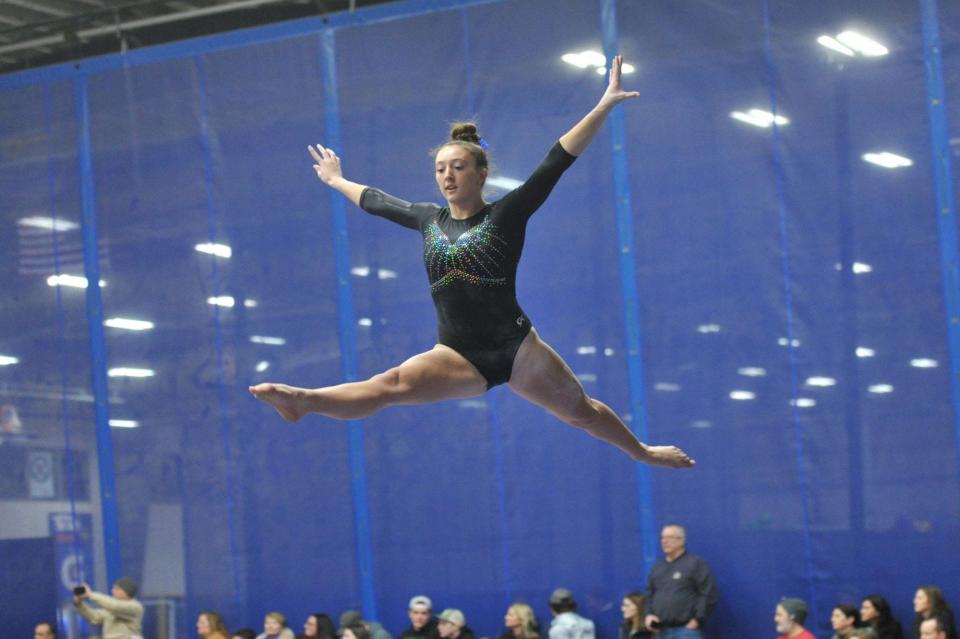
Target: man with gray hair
681,592
567,624
790,616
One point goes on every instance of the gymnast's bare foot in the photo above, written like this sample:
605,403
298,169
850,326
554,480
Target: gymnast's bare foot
669,456
289,401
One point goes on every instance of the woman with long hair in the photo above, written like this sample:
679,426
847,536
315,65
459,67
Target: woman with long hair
210,625
521,623
929,602
876,613
633,608
471,252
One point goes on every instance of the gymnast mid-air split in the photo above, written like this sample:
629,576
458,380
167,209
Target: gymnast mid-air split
471,251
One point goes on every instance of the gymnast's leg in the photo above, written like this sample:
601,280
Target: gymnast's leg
542,377
438,374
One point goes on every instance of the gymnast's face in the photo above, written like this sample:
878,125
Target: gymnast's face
458,177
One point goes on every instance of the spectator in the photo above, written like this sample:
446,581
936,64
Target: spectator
633,607
929,602
352,618
844,619
681,592
423,625
452,624
521,623
934,628
275,627
358,631
566,623
319,625
210,626
245,633
45,630
790,616
875,612
120,614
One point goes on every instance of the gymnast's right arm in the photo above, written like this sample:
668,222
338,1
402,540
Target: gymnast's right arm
369,199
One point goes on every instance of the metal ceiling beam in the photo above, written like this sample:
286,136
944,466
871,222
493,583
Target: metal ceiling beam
40,7
138,24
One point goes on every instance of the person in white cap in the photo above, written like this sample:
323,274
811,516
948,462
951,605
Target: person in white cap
452,624
423,625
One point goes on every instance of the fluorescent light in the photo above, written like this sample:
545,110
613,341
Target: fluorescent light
887,160
708,328
124,423
249,303
74,281
266,339
862,44
783,341
503,182
601,71
831,43
752,371
386,274
130,372
666,387
627,68
880,389
262,366
225,301
8,360
924,362
803,402
742,395
759,117
821,382
47,223
587,377
586,350
220,250
360,271
585,59
863,351
365,321
128,324
608,352
861,267
701,423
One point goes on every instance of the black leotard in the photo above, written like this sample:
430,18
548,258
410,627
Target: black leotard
472,266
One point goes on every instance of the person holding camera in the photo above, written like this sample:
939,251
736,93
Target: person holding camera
121,615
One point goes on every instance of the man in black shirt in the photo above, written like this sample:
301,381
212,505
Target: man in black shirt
423,625
680,589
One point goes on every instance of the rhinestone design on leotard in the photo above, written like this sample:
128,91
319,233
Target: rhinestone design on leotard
476,256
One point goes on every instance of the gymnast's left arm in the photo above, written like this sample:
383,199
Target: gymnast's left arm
578,138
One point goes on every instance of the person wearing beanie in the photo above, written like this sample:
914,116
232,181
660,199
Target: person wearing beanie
352,618
790,616
119,613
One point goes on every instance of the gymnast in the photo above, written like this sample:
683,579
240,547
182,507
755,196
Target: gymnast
471,252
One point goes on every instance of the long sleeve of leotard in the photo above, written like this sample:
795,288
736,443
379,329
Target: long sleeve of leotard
527,198
410,215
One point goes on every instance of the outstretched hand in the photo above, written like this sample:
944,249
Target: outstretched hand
327,164
615,93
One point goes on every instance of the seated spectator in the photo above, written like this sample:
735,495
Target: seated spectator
452,624
210,626
275,627
845,619
566,623
934,628
352,618
245,633
423,625
928,603
875,612
790,616
319,626
633,609
358,631
45,630
521,623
